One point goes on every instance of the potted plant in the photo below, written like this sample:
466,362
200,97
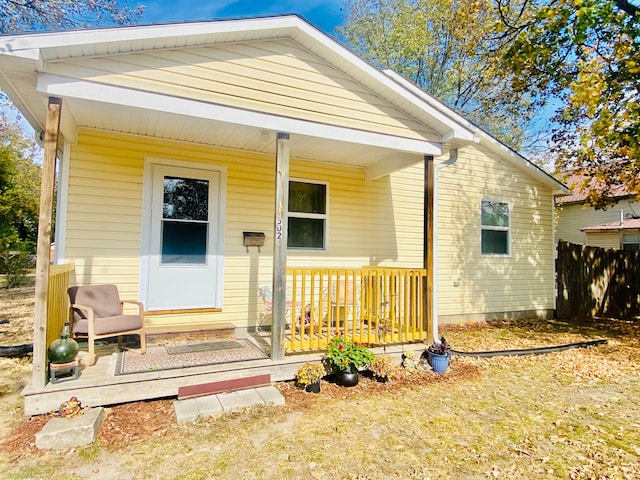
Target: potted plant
309,375
438,355
347,357
382,367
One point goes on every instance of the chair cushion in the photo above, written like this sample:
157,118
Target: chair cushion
108,325
104,300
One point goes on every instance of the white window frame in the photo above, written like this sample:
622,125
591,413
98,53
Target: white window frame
495,228
321,216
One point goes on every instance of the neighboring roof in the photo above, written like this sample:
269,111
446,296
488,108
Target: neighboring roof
626,224
575,181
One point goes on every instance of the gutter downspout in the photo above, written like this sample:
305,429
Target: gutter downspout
453,157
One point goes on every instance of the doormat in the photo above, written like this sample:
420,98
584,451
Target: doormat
202,346
158,358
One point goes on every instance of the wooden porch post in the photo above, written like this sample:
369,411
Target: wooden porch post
51,133
427,293
280,247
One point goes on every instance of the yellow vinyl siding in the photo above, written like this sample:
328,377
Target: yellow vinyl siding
377,223
492,284
278,78
369,222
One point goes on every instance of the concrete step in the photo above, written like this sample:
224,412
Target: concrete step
189,410
62,433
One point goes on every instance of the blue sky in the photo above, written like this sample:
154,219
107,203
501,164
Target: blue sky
324,14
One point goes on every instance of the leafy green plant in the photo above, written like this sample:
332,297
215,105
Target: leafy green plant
343,352
310,372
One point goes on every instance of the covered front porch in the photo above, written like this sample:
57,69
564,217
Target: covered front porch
379,306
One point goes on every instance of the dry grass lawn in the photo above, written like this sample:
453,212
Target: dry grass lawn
568,415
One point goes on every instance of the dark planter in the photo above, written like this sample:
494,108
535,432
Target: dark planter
380,379
313,388
348,377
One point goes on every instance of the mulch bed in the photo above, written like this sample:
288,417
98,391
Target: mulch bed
134,422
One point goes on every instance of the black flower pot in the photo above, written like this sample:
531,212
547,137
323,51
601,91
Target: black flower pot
348,377
383,379
313,387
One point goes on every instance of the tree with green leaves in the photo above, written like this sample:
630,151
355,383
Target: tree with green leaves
586,53
449,48
19,188
34,15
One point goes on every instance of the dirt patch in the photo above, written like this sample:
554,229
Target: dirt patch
16,307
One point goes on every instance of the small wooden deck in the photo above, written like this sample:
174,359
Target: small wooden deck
96,386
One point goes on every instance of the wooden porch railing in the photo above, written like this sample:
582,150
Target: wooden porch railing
370,304
58,300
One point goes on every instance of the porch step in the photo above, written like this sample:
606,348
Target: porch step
191,409
192,333
224,386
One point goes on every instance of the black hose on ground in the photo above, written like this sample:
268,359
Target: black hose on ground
531,351
16,350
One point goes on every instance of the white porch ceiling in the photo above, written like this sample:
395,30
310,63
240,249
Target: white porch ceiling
79,113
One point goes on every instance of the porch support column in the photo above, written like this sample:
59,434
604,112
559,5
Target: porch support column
427,292
280,234
51,134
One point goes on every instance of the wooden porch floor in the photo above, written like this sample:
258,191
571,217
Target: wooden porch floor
97,386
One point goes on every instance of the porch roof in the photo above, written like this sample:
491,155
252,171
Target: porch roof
24,60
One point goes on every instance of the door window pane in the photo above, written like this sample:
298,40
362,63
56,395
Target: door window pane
185,213
184,242
185,199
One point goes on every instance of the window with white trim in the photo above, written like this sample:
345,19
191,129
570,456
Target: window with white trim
307,215
495,227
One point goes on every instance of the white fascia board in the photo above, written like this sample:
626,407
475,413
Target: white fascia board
557,187
461,128
121,40
480,136
442,121
72,88
188,33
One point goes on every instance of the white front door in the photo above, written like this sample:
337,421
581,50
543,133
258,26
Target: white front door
183,266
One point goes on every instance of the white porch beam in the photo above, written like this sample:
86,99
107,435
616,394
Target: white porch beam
73,88
280,234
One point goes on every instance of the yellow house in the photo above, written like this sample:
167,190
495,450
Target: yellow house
199,161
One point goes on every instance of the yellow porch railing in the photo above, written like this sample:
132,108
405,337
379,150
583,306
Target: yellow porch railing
375,305
58,300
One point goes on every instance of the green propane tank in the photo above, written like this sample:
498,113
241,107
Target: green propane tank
64,349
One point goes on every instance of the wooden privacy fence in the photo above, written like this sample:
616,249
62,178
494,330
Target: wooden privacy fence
370,304
57,300
597,282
